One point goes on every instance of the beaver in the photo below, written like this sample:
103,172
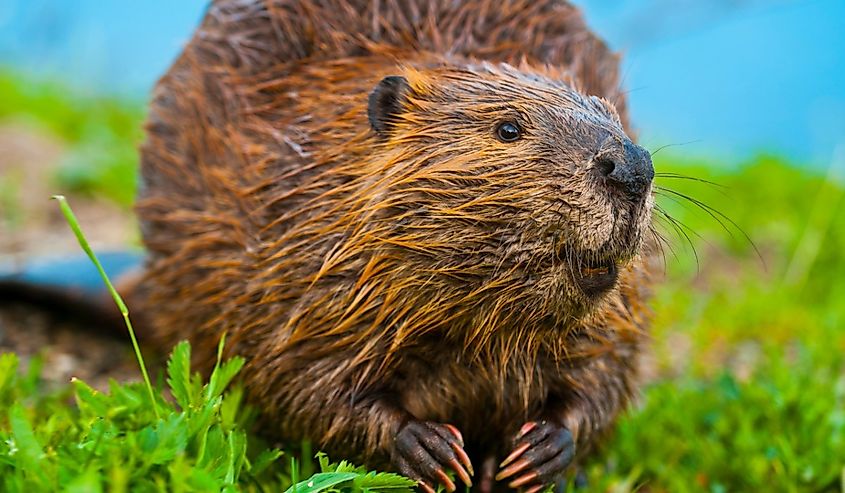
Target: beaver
422,223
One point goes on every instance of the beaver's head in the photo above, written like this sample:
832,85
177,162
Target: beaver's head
506,173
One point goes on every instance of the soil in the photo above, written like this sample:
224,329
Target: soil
67,348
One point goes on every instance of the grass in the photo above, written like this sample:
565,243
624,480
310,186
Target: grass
748,351
135,438
747,387
131,440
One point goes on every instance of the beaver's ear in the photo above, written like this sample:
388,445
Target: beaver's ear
386,102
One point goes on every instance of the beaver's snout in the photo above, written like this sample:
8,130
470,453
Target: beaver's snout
628,168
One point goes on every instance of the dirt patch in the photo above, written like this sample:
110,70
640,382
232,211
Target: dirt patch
68,349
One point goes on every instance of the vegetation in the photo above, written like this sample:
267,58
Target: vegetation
125,441
750,393
747,377
102,134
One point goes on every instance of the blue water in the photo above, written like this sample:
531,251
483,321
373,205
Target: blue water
734,77
72,273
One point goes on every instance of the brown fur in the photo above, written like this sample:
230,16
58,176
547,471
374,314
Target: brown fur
423,273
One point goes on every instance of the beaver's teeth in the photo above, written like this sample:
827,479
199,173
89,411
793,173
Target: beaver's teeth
594,271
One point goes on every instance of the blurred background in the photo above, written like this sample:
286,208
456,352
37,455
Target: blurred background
736,77
747,389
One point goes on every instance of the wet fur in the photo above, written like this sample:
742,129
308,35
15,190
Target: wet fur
421,272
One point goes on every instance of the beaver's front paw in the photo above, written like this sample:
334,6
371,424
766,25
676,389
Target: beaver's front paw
423,451
542,452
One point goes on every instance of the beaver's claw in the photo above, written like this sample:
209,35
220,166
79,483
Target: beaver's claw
423,451
541,454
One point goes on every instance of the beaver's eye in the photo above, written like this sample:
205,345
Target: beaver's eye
508,132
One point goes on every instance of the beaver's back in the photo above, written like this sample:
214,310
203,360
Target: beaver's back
246,36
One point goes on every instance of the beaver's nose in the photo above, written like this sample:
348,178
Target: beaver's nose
630,170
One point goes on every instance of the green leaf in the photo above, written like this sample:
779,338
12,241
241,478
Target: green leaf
30,451
222,375
90,402
231,407
203,418
201,480
384,481
8,371
179,374
237,452
214,455
89,481
264,460
323,460
165,440
130,398
31,381
322,481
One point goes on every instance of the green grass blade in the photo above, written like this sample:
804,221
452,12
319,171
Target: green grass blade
70,217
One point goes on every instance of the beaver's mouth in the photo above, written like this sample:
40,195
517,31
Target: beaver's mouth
593,275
